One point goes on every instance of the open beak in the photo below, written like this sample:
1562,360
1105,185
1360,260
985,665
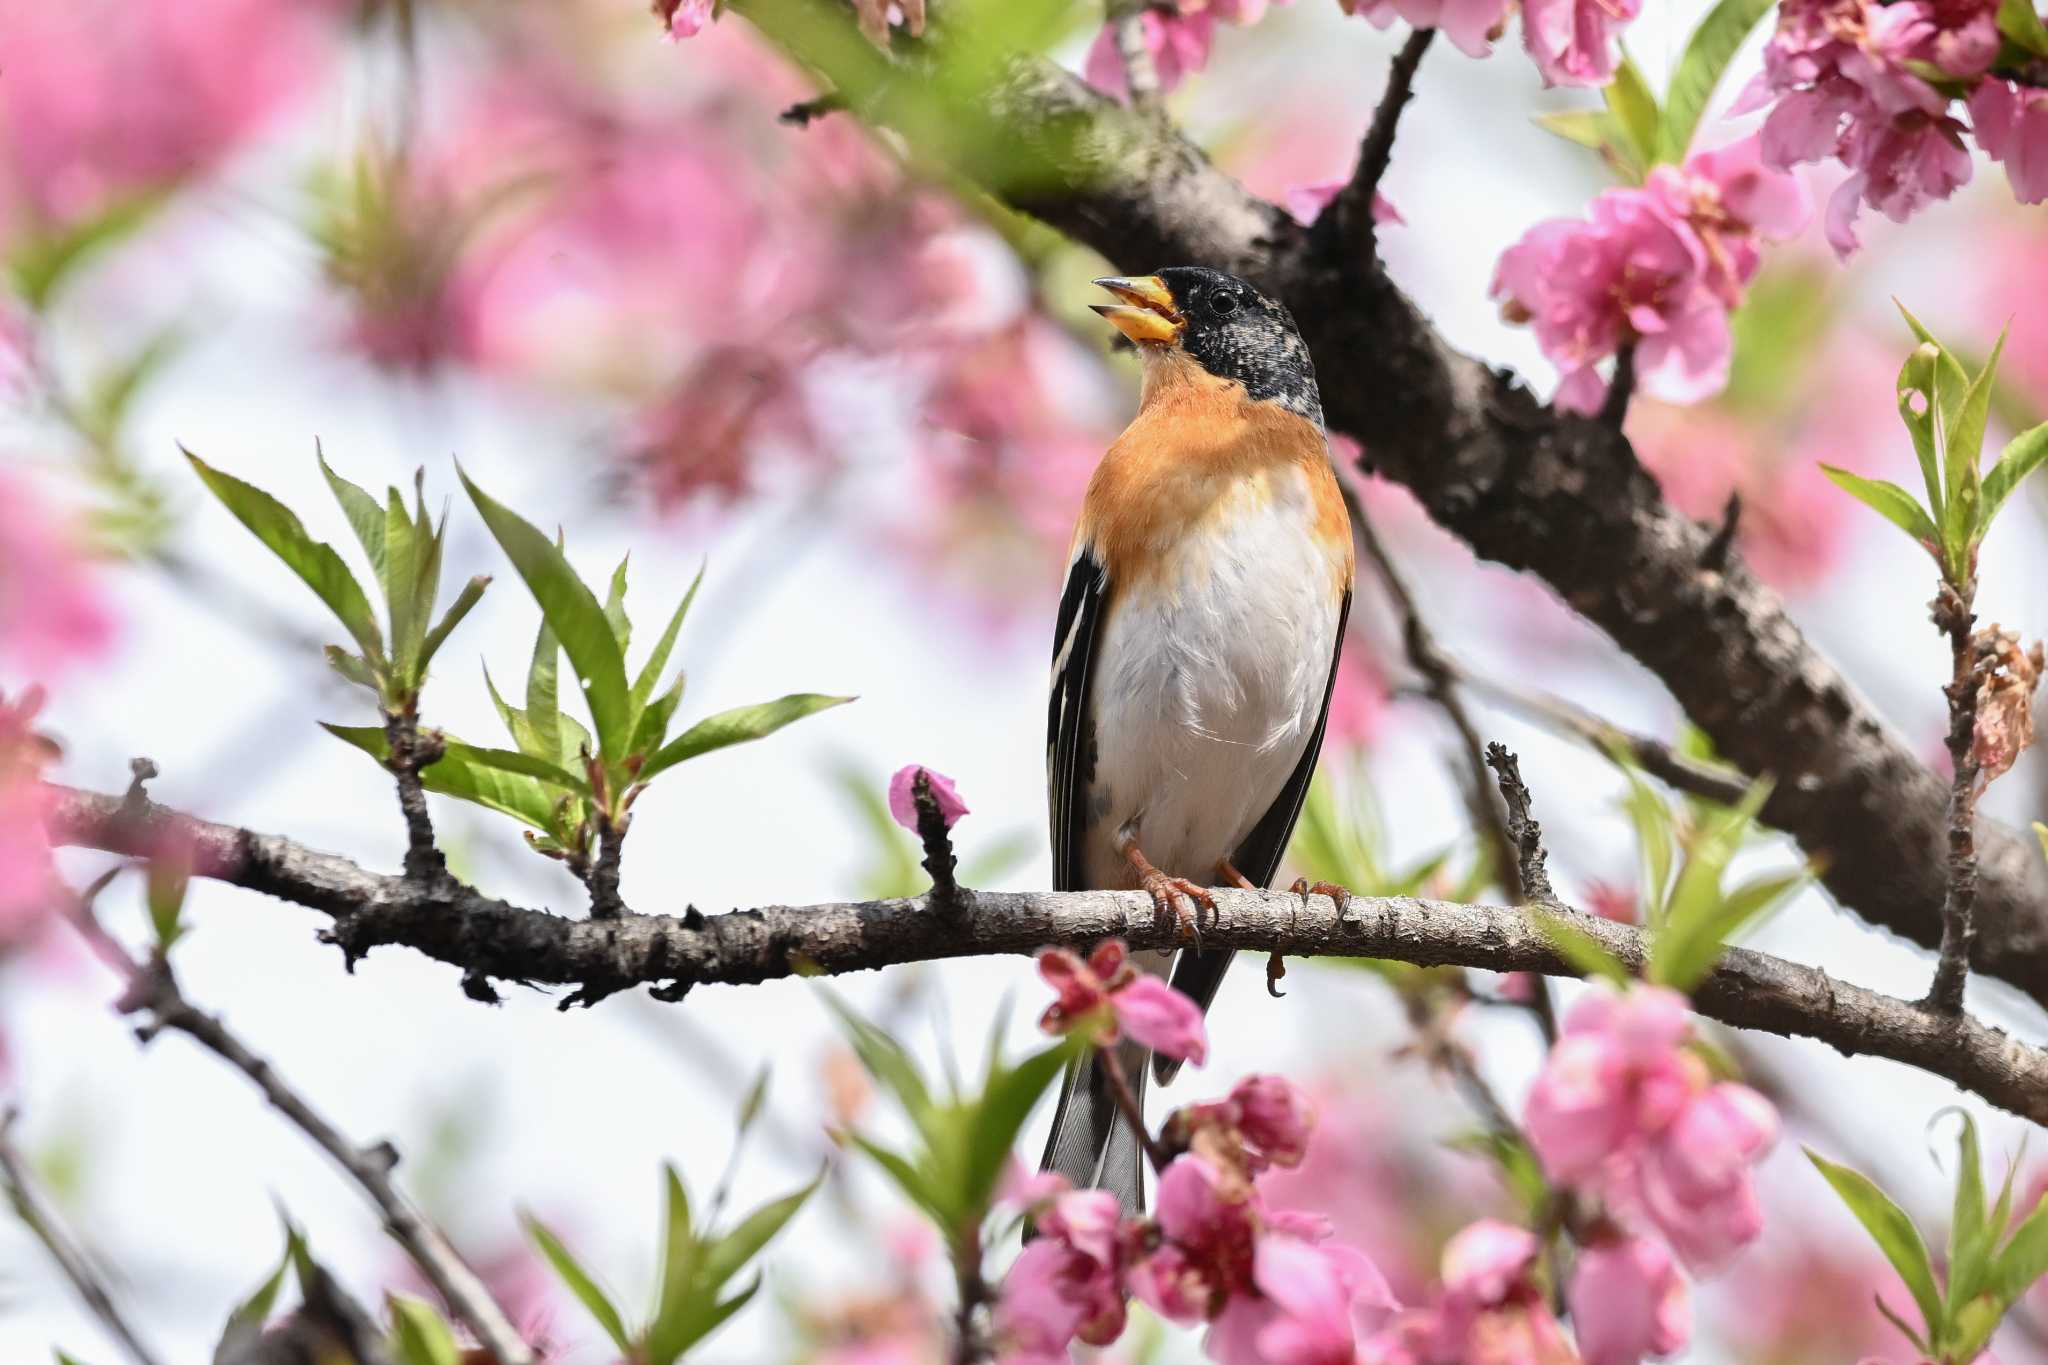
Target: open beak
1148,312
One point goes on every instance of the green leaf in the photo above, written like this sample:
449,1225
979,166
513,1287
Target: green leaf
1683,955
350,667
2041,833
1893,1232
365,517
1889,501
914,1186
1916,381
1707,53
2024,1259
750,1107
737,726
679,1257
650,672
1655,839
1906,1329
2018,21
1970,1234
1007,1099
1594,128
1585,953
579,1283
316,563
572,612
245,1323
654,720
543,703
418,1335
400,571
472,593
1966,423
43,262
1634,107
615,607
169,876
456,773
725,1257
2023,454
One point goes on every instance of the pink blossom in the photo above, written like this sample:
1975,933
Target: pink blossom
28,884
1693,1178
1178,40
903,796
1485,1260
1471,25
1628,1301
1732,201
1240,12
104,100
685,18
1052,1295
1275,1118
1490,1311
1575,42
2011,123
51,611
1107,994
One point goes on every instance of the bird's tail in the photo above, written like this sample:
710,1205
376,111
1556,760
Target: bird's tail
1092,1144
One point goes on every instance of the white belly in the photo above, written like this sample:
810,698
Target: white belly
1204,701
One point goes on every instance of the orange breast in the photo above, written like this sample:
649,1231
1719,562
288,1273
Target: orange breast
1198,448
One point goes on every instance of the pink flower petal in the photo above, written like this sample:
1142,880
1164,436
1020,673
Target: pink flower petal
903,800
1162,1018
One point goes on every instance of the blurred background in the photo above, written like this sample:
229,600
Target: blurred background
594,267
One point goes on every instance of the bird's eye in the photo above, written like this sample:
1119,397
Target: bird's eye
1223,305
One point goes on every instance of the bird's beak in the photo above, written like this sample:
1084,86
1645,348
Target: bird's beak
1148,312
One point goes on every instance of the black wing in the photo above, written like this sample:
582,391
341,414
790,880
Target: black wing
1070,719
1258,857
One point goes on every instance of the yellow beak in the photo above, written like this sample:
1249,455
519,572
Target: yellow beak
1148,313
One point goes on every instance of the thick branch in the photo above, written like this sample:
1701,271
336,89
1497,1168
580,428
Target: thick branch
481,934
1555,494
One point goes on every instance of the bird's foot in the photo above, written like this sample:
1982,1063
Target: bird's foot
1304,888
1175,896
1227,875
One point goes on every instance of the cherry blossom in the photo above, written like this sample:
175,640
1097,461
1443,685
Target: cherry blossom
1178,40
1490,1311
2011,123
1470,24
51,613
1576,42
903,796
1109,997
1628,1301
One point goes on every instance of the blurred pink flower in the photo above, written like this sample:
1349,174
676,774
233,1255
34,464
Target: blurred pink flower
903,796
1109,996
1844,90
1178,40
51,612
28,884
1489,1310
1628,1301
1470,24
1064,1286
2011,123
1485,1260
1576,42
104,100
685,18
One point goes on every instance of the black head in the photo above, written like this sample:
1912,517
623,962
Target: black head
1227,327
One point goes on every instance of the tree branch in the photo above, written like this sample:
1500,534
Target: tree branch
1354,202
1953,617
479,933
26,1194
411,751
1559,495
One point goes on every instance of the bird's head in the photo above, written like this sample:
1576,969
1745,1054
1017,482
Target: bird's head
1222,324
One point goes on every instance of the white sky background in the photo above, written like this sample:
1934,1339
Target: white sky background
575,1112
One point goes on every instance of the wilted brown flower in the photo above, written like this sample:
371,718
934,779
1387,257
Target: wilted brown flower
2005,702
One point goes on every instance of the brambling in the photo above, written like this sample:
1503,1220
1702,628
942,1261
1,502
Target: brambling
1196,646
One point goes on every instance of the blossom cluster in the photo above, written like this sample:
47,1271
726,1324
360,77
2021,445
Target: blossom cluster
1862,82
1658,267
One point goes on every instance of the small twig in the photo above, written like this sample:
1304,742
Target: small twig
1715,556
1522,826
410,751
972,1288
1141,74
1953,617
35,1210
153,991
804,113
1377,150
605,902
1127,1102
939,861
1620,389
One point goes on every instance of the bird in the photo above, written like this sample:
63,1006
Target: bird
1195,649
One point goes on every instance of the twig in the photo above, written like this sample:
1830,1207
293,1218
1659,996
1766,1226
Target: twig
1141,74
1953,617
1522,827
71,1257
1127,1104
1653,756
1620,389
972,1288
939,861
479,933
153,991
1377,150
604,873
410,751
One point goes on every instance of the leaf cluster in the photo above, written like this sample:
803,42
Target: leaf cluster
1991,1261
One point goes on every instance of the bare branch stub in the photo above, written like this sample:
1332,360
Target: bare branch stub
937,839
1522,826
